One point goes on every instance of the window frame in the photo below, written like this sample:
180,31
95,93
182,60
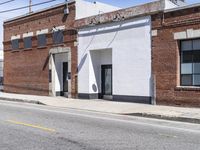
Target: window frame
38,43
54,41
17,44
193,63
29,37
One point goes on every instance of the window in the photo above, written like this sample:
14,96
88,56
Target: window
1,80
42,40
28,42
15,44
190,63
58,37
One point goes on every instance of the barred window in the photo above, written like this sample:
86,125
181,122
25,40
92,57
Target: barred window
28,42
15,44
42,40
58,37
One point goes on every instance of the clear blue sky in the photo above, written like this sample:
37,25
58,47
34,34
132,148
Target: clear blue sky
20,3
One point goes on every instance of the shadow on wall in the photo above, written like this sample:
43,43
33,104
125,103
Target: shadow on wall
83,59
95,86
120,28
80,65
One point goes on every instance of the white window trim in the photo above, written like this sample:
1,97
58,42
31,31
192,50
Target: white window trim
44,31
29,34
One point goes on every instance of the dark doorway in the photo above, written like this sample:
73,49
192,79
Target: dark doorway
65,79
106,80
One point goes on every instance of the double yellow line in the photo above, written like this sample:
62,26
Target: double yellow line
31,125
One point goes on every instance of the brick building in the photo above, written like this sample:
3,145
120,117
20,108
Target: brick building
147,54
40,49
176,56
1,70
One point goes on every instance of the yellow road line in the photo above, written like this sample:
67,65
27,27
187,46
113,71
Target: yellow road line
31,125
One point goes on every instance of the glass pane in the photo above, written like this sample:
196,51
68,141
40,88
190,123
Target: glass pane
186,80
186,68
187,57
41,40
196,80
15,44
27,42
196,44
196,56
58,37
186,45
196,68
108,81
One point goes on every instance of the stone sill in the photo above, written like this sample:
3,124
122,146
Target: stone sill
187,88
57,45
42,47
13,51
27,49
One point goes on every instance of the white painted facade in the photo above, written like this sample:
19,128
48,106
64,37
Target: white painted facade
59,56
1,67
124,44
58,71
170,4
85,9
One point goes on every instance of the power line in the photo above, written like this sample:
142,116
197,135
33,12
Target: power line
6,2
14,9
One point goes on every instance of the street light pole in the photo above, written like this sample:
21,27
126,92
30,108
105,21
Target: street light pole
30,5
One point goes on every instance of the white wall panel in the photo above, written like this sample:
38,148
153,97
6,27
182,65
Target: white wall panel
130,42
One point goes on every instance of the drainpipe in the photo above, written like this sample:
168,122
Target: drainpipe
153,101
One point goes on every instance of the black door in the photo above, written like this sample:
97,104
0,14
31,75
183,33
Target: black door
65,78
106,77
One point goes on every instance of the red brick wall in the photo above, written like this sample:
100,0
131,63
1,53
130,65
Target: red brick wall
26,71
166,57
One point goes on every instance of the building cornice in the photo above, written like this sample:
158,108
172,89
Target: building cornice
44,12
128,13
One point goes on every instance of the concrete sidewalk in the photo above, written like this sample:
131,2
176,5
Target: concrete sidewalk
160,112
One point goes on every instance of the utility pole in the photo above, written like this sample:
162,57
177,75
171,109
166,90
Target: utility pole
30,5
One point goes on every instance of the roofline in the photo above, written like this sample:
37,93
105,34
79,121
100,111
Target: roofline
36,12
158,6
182,7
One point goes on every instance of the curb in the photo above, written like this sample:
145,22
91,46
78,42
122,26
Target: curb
171,118
145,115
22,100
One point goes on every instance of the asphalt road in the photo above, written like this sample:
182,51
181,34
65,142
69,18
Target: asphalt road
35,127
